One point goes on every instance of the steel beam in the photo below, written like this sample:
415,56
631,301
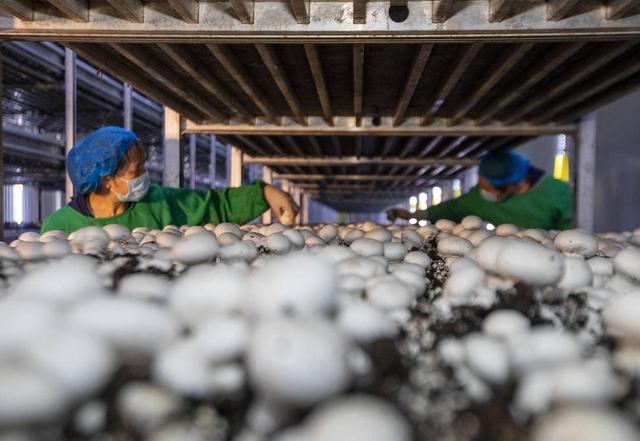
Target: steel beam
345,126
585,174
70,110
306,161
132,10
617,9
559,9
187,10
273,23
235,177
212,161
171,149
304,177
76,10
2,213
420,59
22,9
267,177
243,10
193,154
315,64
127,106
358,81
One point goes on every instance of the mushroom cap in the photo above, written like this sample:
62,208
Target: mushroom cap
300,361
576,242
357,417
585,424
529,262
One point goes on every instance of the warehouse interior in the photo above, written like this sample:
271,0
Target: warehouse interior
352,220
352,118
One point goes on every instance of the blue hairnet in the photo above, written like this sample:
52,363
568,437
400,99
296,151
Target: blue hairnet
98,155
504,168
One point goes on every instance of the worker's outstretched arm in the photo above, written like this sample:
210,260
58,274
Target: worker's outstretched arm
451,209
237,205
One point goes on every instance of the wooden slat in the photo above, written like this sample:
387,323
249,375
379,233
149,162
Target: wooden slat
415,73
206,79
617,73
431,146
300,10
454,144
315,64
23,9
559,9
531,78
167,76
244,10
76,10
106,61
499,10
359,11
617,9
442,10
293,146
451,79
131,10
241,76
494,75
570,78
315,145
279,75
358,81
187,10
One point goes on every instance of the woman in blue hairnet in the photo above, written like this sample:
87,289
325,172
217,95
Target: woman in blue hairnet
112,187
510,190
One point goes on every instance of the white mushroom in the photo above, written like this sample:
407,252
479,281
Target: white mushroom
195,248
454,246
529,262
471,222
117,232
222,339
577,242
585,424
394,251
419,258
357,417
505,323
145,405
298,361
627,264
132,326
486,357
367,247
144,286
293,285
27,397
577,274
364,323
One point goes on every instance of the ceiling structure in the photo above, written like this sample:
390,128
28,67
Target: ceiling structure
376,100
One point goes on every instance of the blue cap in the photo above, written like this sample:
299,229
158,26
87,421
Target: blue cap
502,168
98,155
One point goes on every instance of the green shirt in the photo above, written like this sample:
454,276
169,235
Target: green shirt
176,206
548,205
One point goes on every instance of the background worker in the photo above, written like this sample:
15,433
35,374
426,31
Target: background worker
510,190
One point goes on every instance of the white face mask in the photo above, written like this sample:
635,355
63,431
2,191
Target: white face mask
488,196
137,188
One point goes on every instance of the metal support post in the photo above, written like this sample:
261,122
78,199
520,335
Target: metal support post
212,162
69,109
127,106
305,208
228,166
267,177
193,153
1,162
585,142
171,149
235,179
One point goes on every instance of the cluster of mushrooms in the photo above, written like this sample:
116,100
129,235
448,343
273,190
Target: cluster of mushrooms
320,333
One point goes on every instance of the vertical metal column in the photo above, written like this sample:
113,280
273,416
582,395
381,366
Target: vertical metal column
212,162
305,208
193,153
228,165
585,173
1,160
171,149
70,110
127,106
267,177
235,180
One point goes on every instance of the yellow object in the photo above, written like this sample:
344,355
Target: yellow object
561,167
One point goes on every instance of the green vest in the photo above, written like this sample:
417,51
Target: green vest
176,206
548,205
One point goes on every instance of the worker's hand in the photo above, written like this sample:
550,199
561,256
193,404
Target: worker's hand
282,204
398,213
